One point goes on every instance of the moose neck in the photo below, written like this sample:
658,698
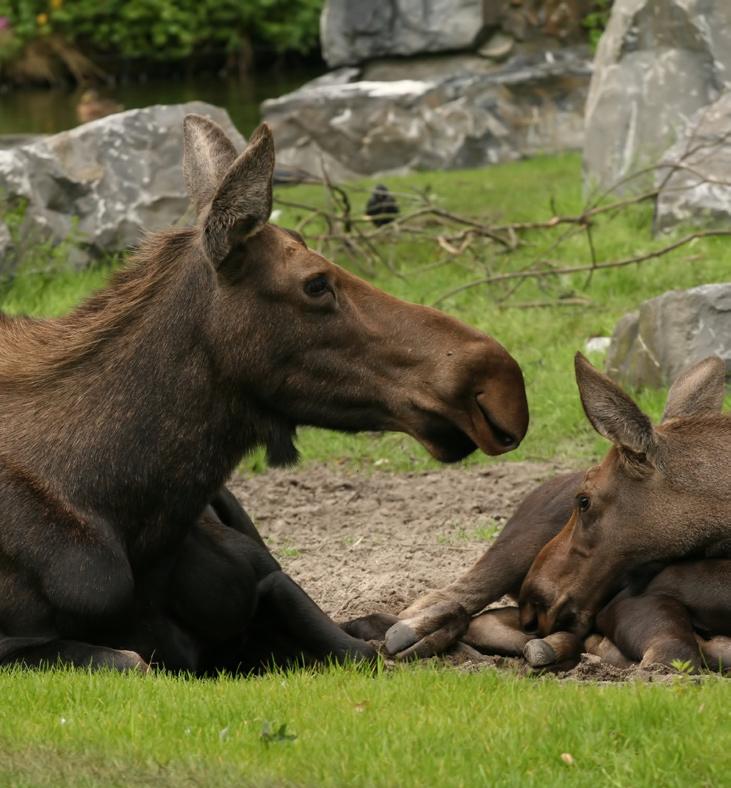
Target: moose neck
134,418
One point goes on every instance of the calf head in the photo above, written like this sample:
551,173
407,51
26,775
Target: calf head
660,494
313,344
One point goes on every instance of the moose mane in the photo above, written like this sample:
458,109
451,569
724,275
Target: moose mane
34,351
692,445
692,426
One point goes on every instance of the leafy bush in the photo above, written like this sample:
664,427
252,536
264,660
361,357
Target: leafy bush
161,29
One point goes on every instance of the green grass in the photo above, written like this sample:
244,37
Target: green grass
542,339
412,726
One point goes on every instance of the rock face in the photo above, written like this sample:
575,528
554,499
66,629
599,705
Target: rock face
352,31
356,31
467,119
696,186
108,180
658,63
667,334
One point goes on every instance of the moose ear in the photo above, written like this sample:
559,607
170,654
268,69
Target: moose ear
242,203
611,412
698,390
207,155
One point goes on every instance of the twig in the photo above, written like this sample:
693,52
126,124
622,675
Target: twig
574,269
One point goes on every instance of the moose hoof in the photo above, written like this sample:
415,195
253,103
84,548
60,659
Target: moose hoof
131,660
538,653
371,627
400,637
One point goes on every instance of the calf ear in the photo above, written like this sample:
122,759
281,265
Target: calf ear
207,155
242,203
698,390
611,412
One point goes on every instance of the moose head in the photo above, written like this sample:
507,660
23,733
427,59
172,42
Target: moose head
312,344
660,494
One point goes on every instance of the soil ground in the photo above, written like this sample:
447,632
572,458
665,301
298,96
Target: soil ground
362,543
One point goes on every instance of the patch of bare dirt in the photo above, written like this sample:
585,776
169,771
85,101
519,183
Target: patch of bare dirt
360,543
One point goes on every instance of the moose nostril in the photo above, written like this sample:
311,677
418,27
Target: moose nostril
530,627
503,437
528,618
506,439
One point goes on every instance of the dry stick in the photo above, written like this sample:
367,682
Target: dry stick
580,268
544,304
592,251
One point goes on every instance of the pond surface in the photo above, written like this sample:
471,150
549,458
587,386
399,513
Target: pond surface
46,111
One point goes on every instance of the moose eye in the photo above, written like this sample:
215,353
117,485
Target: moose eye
583,502
317,286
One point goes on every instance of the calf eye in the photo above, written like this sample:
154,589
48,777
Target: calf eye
583,502
317,286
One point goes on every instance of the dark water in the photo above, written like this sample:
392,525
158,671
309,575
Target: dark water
43,111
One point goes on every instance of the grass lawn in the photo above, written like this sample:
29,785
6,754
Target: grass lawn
412,726
420,725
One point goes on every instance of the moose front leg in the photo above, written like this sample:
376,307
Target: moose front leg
436,620
293,627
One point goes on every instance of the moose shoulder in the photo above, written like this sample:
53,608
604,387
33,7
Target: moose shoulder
120,421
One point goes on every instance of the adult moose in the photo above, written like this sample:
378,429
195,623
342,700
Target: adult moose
121,421
661,494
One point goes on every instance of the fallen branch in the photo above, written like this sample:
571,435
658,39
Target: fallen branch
575,269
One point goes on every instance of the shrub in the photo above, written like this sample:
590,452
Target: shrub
157,29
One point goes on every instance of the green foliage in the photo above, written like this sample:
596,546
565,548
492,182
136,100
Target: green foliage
32,256
271,733
684,667
162,29
595,22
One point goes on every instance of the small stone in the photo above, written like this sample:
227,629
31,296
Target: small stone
597,344
498,47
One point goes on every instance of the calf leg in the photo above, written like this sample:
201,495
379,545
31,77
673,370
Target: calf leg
497,632
716,652
604,648
558,650
651,629
498,572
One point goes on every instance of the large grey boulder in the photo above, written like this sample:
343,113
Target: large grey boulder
109,180
352,31
466,119
652,346
657,64
695,187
